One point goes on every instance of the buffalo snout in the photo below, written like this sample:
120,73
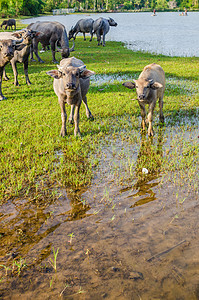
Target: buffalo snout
71,86
65,53
141,97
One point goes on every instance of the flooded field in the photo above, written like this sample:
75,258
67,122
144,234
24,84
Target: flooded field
132,234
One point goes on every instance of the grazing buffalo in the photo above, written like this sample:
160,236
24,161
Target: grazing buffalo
53,34
22,55
9,23
149,87
7,48
84,26
71,84
101,27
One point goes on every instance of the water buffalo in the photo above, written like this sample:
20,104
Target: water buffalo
84,26
22,55
9,23
101,27
149,87
71,84
54,34
7,48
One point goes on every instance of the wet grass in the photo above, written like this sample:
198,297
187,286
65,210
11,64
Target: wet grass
35,160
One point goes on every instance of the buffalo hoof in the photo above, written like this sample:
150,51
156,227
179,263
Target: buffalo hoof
32,59
161,119
2,98
63,132
28,83
150,133
91,118
77,134
55,62
6,78
71,121
41,61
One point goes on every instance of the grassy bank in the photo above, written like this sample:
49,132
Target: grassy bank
35,160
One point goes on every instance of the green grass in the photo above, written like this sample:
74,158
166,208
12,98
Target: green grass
35,160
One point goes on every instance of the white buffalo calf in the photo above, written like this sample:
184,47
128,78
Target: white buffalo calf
150,86
71,84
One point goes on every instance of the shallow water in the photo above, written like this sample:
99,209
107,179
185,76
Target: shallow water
167,33
128,236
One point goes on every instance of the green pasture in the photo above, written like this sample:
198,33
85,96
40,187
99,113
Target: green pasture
35,160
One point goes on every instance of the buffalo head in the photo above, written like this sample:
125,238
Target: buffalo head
70,77
7,48
65,52
143,87
71,33
112,22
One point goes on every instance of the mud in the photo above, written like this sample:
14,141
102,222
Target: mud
129,235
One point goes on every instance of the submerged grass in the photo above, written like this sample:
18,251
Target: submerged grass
35,159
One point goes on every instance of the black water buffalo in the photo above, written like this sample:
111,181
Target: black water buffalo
9,23
7,48
53,34
101,27
84,26
71,84
22,55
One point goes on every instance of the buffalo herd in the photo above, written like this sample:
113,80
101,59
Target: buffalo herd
72,78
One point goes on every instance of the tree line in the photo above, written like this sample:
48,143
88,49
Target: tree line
13,8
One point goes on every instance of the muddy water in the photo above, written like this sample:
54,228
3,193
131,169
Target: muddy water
129,235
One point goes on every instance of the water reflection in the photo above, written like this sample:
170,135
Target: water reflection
23,224
149,157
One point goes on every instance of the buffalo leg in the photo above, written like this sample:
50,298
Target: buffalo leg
52,44
104,39
25,66
1,95
71,117
150,118
35,50
84,36
161,109
5,77
14,68
143,115
98,37
91,32
76,120
63,131
88,112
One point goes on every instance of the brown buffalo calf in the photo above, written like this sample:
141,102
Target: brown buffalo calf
149,87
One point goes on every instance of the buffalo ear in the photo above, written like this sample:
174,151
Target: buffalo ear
17,34
156,85
129,85
54,73
86,73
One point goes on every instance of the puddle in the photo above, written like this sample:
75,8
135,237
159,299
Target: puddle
180,86
129,235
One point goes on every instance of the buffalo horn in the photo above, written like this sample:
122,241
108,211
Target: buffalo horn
60,69
56,47
82,68
151,81
14,42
